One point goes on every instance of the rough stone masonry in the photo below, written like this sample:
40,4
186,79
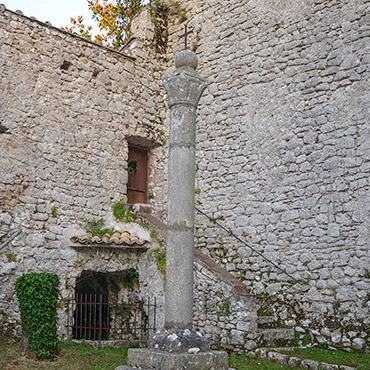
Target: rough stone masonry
283,148
283,152
69,108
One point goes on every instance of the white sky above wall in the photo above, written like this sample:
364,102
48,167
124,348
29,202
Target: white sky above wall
57,12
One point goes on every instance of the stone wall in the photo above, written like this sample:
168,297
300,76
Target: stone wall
69,108
149,67
283,148
283,153
224,309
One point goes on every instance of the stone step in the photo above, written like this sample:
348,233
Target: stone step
277,337
262,320
273,354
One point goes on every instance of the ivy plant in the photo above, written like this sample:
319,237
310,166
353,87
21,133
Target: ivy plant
37,294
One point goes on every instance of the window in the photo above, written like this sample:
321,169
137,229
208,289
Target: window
137,185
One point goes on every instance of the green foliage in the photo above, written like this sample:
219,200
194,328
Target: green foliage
159,6
7,327
179,11
262,312
205,305
244,362
366,275
296,341
227,304
70,356
96,227
131,277
216,345
160,256
114,19
324,345
131,165
228,333
123,214
352,359
306,339
80,262
54,211
154,235
11,257
37,294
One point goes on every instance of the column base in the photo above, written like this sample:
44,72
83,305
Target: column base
177,340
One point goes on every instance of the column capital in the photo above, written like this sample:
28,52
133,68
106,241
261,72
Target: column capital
185,86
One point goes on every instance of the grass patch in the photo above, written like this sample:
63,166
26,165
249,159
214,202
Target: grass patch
358,360
71,356
244,362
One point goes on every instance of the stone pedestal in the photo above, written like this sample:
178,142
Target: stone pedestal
158,360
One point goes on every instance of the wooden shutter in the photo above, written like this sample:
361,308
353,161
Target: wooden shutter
137,185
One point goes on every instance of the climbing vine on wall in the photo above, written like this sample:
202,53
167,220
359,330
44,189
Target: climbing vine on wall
37,294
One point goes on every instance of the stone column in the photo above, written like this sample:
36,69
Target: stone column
178,345
184,89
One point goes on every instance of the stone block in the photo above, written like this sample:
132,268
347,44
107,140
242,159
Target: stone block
294,361
326,366
278,357
156,360
310,364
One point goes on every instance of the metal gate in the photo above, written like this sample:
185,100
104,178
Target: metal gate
95,317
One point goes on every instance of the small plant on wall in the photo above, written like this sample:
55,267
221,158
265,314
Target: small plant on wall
96,227
37,294
131,278
123,214
131,165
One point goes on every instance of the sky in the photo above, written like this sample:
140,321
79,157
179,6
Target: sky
57,12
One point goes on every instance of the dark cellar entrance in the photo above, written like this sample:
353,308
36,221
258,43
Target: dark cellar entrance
107,306
91,315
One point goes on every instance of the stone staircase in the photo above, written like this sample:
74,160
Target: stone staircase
234,302
272,334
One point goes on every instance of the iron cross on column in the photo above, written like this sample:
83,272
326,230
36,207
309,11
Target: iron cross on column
185,35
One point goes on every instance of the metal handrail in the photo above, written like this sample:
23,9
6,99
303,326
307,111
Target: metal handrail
7,241
212,219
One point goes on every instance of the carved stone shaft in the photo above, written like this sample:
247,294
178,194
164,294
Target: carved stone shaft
184,89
